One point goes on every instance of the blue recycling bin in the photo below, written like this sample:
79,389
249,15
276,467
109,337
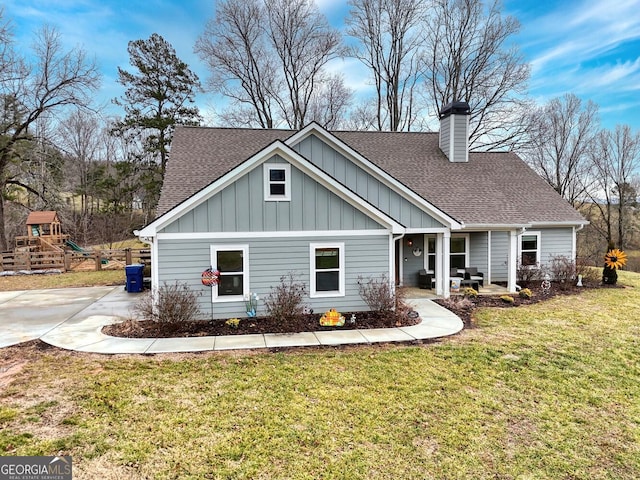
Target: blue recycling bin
135,277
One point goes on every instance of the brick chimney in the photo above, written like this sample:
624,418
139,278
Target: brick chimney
454,131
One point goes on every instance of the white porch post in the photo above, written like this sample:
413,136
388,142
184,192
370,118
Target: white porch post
446,264
488,276
438,270
511,262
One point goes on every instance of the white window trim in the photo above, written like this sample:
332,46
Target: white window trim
215,298
312,270
267,167
467,246
538,249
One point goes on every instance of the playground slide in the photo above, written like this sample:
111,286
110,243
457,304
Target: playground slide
74,246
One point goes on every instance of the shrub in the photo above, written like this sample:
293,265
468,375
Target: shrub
507,299
377,293
285,300
382,298
470,292
590,274
526,274
176,304
563,271
525,293
455,303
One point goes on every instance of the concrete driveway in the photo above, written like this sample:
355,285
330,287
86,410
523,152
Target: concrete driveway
30,314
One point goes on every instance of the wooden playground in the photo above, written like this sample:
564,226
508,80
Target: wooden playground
45,247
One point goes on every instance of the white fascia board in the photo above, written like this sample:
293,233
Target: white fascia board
293,157
559,224
474,227
374,170
271,234
416,231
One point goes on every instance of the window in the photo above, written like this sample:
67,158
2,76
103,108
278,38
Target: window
233,263
458,253
431,254
277,182
327,270
530,249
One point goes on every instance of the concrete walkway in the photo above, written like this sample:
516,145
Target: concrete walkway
73,318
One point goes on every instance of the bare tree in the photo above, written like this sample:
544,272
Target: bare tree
616,160
390,43
236,49
270,57
468,58
54,81
562,135
329,104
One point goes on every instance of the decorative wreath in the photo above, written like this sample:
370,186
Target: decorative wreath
210,277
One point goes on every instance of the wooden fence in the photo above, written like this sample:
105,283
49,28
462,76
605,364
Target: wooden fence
67,261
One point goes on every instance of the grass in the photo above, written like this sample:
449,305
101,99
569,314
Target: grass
548,391
70,279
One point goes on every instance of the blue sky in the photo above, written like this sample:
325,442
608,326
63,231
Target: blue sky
588,47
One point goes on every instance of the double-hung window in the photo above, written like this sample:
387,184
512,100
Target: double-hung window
530,249
232,261
327,270
277,182
459,251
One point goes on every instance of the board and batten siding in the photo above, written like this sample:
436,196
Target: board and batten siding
365,185
183,261
241,207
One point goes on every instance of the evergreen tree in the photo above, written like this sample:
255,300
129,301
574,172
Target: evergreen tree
159,95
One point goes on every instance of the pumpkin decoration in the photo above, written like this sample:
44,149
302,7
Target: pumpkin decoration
331,318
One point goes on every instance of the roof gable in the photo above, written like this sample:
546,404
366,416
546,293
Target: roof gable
275,148
41,218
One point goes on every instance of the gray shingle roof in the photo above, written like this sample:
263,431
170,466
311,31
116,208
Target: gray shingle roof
492,188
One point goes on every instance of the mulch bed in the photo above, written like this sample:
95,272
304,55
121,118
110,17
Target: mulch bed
305,323
311,323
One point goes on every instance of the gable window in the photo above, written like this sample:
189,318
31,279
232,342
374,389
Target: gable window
233,263
277,182
327,270
459,251
530,249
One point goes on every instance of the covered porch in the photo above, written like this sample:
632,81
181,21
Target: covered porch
439,252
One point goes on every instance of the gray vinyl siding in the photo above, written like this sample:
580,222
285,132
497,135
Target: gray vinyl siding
365,185
241,207
269,259
460,138
445,134
555,242
478,251
499,256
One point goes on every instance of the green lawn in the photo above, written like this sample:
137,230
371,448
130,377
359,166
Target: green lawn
550,391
